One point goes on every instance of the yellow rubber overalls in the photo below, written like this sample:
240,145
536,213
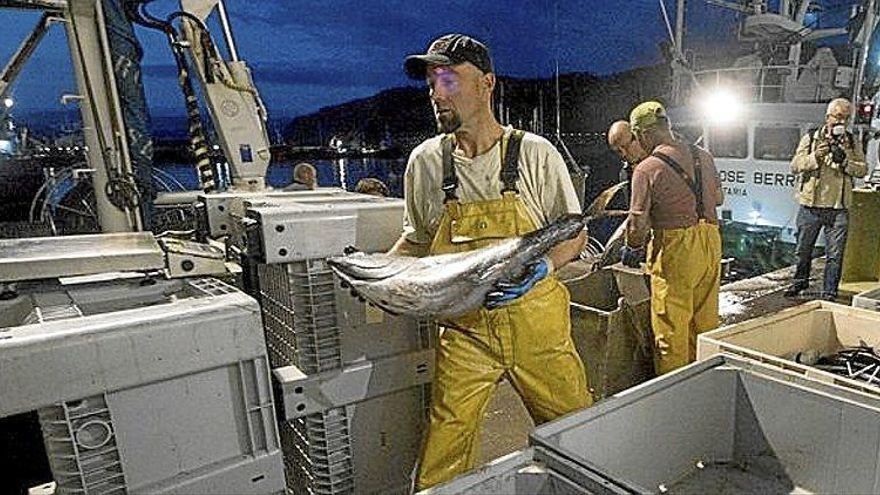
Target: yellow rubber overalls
528,340
685,269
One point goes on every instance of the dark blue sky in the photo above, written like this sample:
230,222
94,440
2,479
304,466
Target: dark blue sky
309,54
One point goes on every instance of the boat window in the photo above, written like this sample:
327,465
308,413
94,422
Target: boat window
729,142
776,143
689,133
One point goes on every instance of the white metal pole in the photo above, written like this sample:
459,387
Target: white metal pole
227,31
90,72
679,26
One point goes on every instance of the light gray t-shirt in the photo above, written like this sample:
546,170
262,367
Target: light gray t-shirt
544,183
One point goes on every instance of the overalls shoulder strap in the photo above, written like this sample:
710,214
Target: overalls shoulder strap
450,180
509,164
510,161
696,184
698,181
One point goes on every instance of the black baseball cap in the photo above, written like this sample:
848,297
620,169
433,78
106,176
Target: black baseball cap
450,49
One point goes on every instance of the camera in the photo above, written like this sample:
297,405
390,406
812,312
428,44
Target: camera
838,153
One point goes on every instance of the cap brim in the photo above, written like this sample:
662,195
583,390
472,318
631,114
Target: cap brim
416,66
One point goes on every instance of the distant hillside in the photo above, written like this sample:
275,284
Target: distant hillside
403,115
400,118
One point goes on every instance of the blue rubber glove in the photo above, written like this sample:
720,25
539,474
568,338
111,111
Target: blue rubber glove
506,291
632,257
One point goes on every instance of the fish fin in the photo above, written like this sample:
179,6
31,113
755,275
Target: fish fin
597,207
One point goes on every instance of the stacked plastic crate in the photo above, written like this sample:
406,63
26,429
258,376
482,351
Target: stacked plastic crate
143,388
363,439
300,322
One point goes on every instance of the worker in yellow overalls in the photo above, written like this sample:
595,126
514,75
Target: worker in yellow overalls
474,184
675,192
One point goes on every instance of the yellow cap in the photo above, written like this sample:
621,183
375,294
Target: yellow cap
646,115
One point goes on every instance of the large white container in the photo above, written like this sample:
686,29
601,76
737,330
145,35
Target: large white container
776,339
160,388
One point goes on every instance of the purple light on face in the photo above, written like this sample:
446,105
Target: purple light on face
449,81
443,78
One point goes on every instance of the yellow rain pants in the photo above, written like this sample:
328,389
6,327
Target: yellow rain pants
685,268
527,341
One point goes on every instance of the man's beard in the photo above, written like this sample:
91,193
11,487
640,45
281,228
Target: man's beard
448,121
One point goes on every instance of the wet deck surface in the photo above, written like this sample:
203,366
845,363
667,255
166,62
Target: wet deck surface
506,425
750,298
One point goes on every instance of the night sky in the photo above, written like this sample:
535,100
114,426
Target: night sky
309,54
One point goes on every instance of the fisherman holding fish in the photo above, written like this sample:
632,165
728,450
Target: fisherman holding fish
675,192
473,185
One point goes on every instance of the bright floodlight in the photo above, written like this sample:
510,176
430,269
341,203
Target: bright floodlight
8,102
721,107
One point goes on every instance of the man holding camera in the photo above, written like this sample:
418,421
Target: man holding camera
827,160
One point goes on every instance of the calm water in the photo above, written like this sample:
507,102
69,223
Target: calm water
343,172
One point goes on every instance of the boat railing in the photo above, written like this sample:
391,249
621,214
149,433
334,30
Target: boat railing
769,83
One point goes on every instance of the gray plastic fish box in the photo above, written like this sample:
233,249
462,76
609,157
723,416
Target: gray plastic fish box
143,388
726,425
222,208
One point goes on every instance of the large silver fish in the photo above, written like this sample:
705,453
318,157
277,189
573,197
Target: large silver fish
449,285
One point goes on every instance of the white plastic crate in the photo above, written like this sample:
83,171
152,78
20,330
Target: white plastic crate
371,223
611,336
160,388
817,326
44,489
310,322
366,437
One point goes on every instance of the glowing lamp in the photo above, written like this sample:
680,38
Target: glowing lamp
721,106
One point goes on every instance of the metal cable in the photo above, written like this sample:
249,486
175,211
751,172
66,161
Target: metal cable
197,135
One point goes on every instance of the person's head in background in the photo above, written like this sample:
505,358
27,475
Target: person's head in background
371,186
304,173
624,143
650,125
837,117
